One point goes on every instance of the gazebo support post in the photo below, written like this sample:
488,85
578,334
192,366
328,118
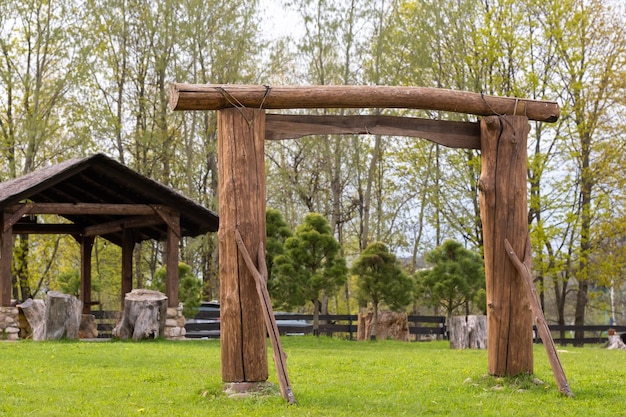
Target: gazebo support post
128,245
241,171
6,259
171,280
86,247
504,214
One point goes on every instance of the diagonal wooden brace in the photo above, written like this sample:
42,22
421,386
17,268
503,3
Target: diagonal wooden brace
260,278
539,318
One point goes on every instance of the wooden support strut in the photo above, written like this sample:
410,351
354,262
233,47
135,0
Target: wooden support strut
542,326
280,358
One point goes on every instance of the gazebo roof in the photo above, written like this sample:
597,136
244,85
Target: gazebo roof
99,179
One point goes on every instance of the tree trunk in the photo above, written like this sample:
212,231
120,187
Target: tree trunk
468,332
63,316
144,315
316,315
374,322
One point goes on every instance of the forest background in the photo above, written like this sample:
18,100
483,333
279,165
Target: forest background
84,76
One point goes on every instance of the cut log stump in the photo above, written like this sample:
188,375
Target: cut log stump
468,332
615,342
34,311
63,315
144,315
390,325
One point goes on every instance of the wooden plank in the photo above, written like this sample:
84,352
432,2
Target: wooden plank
260,279
539,319
453,134
222,96
503,211
241,170
87,209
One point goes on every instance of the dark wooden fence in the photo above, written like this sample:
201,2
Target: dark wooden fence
330,324
593,334
346,326
289,324
106,321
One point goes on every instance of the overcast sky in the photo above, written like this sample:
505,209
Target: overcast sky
277,20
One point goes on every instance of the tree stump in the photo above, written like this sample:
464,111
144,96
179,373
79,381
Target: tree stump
88,327
615,342
63,315
390,325
34,311
144,315
468,332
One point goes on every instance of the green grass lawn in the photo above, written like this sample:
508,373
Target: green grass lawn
330,377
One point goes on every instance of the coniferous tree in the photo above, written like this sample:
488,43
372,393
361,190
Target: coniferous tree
310,267
380,279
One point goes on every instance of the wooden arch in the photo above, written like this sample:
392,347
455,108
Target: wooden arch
243,125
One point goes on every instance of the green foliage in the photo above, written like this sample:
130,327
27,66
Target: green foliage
189,287
69,283
380,278
455,279
276,231
310,266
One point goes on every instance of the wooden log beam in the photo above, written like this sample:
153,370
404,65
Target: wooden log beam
221,96
504,212
453,134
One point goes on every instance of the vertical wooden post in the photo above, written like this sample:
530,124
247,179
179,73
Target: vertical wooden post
504,214
241,135
86,246
6,259
128,245
171,280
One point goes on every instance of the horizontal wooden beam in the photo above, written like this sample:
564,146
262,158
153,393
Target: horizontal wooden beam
221,96
86,209
46,229
119,225
453,134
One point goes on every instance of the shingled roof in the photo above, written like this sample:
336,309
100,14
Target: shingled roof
100,179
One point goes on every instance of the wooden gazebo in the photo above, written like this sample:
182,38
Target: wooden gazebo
99,197
243,126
